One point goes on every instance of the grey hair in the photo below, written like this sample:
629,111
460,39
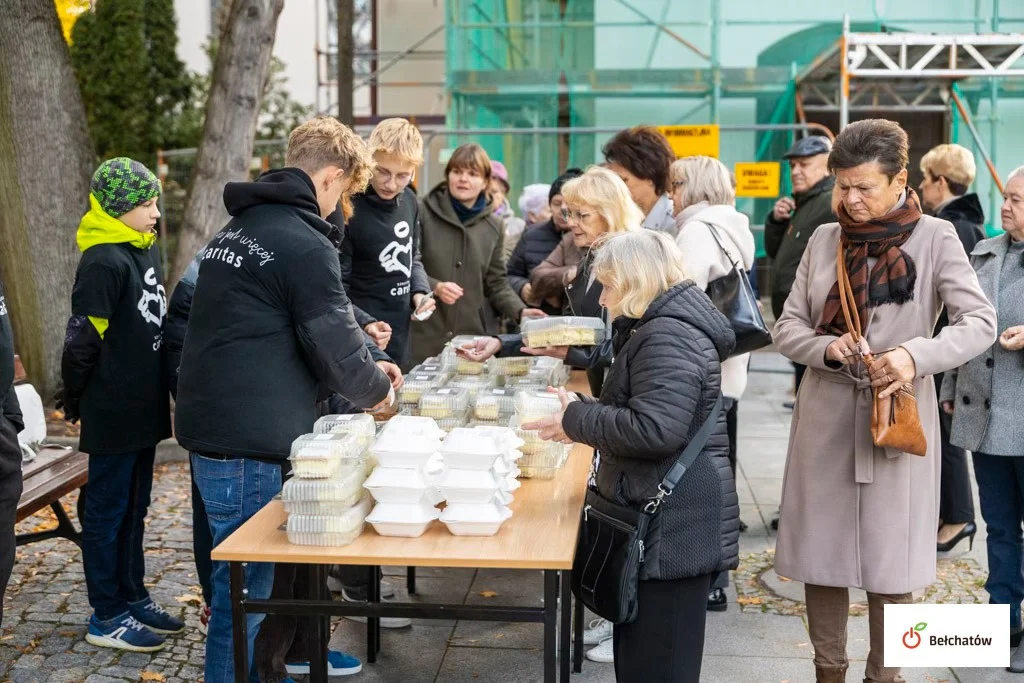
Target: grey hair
1017,172
704,179
533,198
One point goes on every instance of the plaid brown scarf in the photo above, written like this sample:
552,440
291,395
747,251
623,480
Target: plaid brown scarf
892,279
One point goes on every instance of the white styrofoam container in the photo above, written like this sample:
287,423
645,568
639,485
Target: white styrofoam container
415,426
475,519
393,485
398,450
398,519
474,486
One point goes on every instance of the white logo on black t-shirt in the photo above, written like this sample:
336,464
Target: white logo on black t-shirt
157,296
390,256
3,305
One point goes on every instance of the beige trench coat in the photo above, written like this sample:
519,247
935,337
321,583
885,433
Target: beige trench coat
853,514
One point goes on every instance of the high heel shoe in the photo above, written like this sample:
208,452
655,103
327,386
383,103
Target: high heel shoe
967,532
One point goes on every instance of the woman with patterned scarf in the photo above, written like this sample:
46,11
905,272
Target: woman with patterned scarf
855,515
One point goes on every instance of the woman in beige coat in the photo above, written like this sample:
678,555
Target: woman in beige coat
854,515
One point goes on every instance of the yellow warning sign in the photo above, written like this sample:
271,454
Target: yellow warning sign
757,179
689,141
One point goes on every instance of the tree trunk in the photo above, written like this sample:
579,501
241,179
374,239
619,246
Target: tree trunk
346,18
46,160
232,112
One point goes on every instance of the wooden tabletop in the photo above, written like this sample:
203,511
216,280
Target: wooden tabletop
541,534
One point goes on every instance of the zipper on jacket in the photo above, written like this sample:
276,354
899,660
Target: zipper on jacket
618,524
641,551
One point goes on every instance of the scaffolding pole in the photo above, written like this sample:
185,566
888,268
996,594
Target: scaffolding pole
844,75
716,57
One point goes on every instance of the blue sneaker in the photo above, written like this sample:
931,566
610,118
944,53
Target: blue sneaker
123,633
155,617
338,664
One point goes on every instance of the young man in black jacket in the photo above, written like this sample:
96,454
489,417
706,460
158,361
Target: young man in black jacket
113,381
270,328
380,253
10,451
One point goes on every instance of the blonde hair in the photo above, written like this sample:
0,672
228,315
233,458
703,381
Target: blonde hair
704,179
324,141
608,195
952,162
399,138
640,266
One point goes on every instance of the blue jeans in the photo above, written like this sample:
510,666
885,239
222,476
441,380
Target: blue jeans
232,492
116,501
1001,490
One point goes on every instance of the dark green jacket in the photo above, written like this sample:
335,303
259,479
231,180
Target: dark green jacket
471,255
785,242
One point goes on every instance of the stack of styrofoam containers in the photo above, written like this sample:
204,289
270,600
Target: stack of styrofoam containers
404,483
448,405
480,478
541,459
324,499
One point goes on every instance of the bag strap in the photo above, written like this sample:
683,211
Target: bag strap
848,301
685,461
714,233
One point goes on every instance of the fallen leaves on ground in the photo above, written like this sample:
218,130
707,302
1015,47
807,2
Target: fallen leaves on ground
748,600
189,599
150,676
488,594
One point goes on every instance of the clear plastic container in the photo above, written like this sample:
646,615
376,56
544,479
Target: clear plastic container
474,486
418,382
455,421
359,425
536,405
511,366
563,331
494,404
413,426
330,496
560,376
475,519
406,520
532,443
463,366
432,368
446,402
388,485
328,530
318,456
474,383
545,462
395,449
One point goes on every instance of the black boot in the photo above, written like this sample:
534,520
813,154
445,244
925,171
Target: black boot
717,602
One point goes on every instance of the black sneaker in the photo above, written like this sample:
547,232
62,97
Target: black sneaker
717,602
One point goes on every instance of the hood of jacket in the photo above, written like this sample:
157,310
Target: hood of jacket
824,185
440,205
964,208
285,186
684,302
99,227
732,224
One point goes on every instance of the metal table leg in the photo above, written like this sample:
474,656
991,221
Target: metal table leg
577,648
410,579
566,627
321,626
239,635
550,623
373,623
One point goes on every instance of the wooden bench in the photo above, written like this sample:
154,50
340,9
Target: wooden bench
53,474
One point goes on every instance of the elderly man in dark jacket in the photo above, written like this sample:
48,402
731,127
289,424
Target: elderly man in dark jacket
536,244
10,451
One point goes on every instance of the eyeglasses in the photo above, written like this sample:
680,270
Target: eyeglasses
678,183
575,216
385,176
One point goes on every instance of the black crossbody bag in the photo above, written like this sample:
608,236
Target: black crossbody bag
734,297
610,547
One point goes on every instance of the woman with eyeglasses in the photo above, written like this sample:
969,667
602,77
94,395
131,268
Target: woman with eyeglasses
594,205
463,251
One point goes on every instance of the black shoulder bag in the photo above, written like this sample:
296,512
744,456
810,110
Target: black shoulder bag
734,297
610,547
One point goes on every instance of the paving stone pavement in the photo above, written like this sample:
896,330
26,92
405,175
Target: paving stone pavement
761,637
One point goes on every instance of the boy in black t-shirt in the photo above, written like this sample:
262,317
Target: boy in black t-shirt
380,255
113,382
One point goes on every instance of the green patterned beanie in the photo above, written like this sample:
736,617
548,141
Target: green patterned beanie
122,184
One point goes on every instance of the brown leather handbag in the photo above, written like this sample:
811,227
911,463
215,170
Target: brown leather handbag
895,422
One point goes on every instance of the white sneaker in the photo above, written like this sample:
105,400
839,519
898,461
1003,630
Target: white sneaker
603,653
385,622
336,586
597,631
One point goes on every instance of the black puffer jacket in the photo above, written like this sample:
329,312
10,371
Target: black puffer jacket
967,216
662,386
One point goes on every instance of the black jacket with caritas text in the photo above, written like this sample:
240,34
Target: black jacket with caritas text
270,324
